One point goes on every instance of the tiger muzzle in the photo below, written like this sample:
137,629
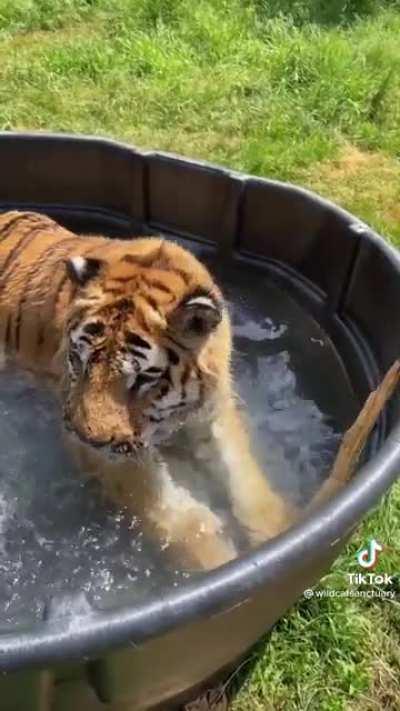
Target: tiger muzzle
115,446
101,419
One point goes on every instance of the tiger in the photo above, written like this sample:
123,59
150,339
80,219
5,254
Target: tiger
136,338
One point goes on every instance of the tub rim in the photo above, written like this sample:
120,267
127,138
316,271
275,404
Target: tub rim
91,631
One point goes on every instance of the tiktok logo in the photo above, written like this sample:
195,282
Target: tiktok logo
368,557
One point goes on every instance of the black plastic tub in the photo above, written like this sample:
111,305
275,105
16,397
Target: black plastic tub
339,271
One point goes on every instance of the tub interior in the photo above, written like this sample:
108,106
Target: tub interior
58,536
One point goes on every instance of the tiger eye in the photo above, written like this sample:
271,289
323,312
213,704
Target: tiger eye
95,329
95,357
74,359
173,356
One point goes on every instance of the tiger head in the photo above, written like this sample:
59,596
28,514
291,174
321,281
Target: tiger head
146,345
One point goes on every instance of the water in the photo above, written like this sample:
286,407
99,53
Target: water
57,536
293,383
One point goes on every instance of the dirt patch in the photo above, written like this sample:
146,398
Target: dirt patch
351,162
385,691
354,162
366,183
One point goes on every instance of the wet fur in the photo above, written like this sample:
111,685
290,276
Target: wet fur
148,289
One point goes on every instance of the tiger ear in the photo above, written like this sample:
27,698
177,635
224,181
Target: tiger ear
81,269
196,317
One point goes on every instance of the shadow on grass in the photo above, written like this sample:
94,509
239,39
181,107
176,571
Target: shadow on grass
326,13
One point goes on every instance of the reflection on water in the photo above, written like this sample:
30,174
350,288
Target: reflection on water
56,534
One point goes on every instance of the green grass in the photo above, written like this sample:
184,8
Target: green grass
301,90
223,78
331,654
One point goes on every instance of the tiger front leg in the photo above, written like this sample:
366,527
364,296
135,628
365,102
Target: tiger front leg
261,512
192,533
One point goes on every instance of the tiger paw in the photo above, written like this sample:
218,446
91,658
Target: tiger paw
195,539
267,521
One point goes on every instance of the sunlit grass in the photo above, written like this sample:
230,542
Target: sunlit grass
217,79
